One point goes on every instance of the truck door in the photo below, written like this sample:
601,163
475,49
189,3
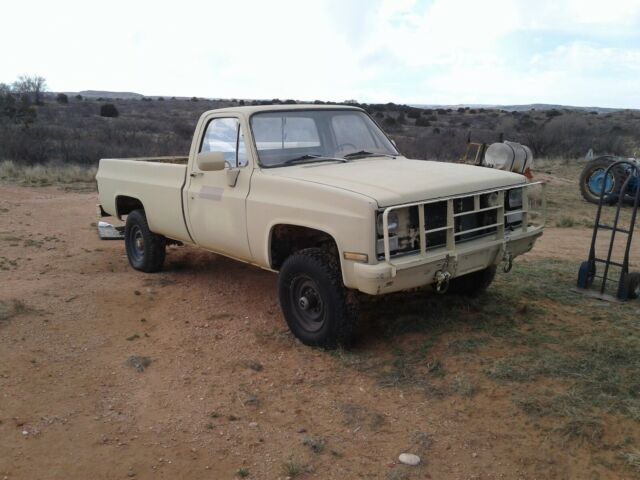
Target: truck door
215,200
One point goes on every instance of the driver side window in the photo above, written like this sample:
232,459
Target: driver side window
225,135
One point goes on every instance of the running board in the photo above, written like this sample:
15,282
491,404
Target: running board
106,231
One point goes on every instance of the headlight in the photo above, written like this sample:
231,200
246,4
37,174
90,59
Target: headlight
392,220
515,198
492,199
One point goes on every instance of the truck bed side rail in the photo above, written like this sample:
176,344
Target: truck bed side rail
179,160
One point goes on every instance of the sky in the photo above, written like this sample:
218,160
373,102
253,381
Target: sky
571,52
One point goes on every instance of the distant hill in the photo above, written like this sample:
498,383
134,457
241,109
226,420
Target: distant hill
508,108
520,108
105,94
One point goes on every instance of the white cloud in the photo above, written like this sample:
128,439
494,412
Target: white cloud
440,51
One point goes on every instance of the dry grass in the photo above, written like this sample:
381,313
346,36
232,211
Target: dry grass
294,468
565,206
510,338
48,174
632,460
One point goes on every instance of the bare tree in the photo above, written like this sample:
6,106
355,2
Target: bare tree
32,86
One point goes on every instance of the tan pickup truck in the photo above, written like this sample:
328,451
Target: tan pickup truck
321,195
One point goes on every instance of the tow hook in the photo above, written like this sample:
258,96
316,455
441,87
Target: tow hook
442,278
507,262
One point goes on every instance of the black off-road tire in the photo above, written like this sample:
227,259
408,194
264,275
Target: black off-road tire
314,300
602,163
145,249
473,284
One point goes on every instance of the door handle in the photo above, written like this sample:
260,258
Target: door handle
196,174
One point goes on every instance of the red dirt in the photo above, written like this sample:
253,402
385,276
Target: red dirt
71,407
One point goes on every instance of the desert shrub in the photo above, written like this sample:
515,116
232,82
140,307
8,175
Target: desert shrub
62,98
401,119
108,110
46,174
183,129
73,133
17,110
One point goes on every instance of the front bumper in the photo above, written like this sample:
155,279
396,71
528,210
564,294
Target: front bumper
417,271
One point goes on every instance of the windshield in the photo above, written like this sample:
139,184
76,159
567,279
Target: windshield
285,137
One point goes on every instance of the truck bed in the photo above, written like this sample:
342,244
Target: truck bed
156,181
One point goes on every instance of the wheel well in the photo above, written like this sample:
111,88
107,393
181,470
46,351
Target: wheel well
125,205
288,239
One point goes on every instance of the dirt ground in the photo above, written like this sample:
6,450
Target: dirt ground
109,373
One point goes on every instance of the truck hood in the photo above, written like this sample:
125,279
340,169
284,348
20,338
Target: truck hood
391,181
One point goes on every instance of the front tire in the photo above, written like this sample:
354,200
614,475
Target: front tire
473,284
145,250
314,300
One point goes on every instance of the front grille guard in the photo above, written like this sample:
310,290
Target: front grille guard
452,234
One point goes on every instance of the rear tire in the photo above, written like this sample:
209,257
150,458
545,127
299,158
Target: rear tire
473,284
590,185
314,300
145,250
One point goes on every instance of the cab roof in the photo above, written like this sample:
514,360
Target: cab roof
251,109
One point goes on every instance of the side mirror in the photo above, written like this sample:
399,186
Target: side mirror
210,161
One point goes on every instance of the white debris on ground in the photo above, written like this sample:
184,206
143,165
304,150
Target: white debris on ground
409,459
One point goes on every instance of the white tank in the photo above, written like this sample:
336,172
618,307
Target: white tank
510,156
529,162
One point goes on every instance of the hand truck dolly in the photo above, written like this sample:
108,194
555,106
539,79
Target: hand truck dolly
628,283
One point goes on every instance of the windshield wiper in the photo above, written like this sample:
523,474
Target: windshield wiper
364,153
312,159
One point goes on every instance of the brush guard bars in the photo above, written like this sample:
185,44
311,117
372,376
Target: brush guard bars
465,247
